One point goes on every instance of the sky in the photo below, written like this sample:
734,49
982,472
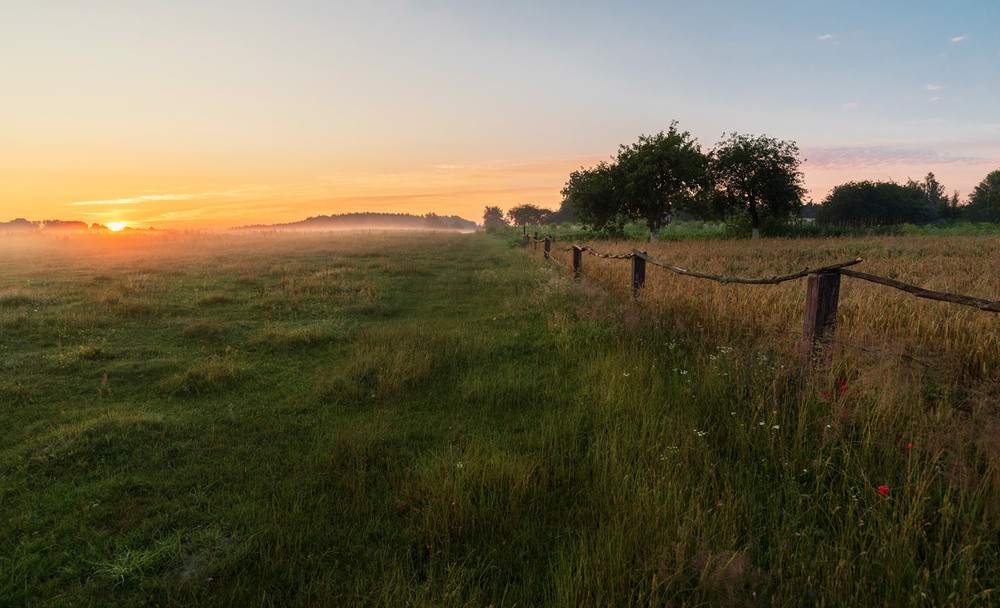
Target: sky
212,113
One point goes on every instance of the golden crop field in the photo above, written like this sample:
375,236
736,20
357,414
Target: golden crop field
872,318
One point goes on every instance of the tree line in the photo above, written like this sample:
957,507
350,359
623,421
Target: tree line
744,177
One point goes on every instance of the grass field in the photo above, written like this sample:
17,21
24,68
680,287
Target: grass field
436,419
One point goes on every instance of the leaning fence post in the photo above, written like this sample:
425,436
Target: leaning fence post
820,318
577,261
638,274
548,247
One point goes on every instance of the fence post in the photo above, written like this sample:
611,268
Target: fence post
548,247
526,240
534,244
638,274
820,317
577,261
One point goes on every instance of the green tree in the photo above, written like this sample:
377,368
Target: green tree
870,203
759,175
493,217
593,196
934,194
433,220
660,175
563,214
527,215
984,202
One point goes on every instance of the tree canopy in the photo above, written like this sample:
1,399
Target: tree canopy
984,202
493,217
757,173
527,215
593,196
650,180
868,203
660,175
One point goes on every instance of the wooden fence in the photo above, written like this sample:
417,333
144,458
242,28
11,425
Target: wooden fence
819,319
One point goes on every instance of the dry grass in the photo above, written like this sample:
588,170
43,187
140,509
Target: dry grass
873,320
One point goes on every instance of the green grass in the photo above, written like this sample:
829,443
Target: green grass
438,420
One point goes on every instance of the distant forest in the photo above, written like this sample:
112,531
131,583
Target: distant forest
403,221
23,224
345,221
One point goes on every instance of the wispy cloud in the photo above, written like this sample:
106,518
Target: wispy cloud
934,87
958,39
935,98
868,156
851,106
149,198
826,37
138,199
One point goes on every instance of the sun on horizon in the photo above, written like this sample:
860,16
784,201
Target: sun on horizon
116,226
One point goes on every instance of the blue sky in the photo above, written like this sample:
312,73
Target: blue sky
221,113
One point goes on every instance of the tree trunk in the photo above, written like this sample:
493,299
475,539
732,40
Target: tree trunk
754,220
654,230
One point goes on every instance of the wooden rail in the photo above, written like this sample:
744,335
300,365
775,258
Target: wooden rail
819,318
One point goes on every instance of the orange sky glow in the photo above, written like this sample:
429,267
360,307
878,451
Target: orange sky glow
198,115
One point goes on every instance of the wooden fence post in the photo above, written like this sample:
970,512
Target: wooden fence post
577,261
534,245
548,247
526,241
638,274
820,318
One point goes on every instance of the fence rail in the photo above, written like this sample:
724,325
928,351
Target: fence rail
822,290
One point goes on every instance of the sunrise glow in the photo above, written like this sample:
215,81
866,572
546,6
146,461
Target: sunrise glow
116,226
450,106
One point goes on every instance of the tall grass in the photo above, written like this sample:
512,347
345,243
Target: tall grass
438,420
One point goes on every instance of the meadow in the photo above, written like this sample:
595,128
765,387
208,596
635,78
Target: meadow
386,419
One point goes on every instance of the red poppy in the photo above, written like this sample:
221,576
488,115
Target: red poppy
883,489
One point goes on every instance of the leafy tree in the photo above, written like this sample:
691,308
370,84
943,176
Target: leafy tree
758,174
64,225
984,202
20,224
593,196
527,215
433,220
493,217
563,214
659,175
870,203
934,194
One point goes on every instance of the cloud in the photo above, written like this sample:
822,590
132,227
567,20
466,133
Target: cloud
825,37
866,157
137,199
958,39
851,106
934,87
147,198
935,98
